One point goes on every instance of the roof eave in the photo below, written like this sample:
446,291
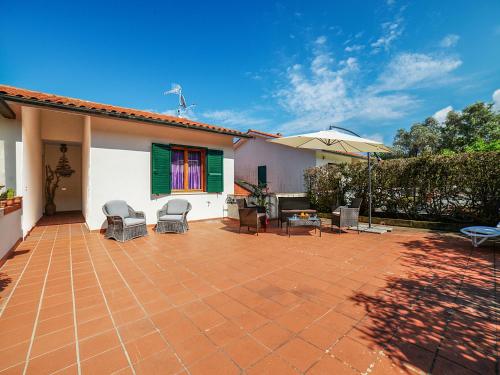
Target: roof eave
114,114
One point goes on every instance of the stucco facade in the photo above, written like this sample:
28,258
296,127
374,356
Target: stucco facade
114,162
285,165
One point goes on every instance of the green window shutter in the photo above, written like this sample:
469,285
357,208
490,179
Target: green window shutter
214,171
262,175
160,169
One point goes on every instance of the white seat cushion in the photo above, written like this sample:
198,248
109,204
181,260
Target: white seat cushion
169,217
129,221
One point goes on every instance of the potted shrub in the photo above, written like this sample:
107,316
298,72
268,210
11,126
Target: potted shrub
11,193
3,196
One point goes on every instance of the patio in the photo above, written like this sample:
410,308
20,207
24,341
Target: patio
215,302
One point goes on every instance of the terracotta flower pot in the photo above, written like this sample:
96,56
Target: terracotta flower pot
9,202
18,200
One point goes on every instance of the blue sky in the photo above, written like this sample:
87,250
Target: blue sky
294,66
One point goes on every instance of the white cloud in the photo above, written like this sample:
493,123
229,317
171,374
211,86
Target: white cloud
390,32
326,92
496,100
354,48
440,115
233,118
320,40
449,40
408,70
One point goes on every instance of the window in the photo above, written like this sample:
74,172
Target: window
183,168
262,175
188,169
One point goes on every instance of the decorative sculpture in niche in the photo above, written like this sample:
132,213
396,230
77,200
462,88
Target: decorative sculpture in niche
53,177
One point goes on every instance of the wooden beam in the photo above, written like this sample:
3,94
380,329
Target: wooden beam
6,111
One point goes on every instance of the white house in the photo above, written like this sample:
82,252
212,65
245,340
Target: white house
280,167
117,153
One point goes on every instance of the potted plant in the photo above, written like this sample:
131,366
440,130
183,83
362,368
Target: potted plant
260,193
3,196
10,194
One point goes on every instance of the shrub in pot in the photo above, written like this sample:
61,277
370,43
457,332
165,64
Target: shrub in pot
10,196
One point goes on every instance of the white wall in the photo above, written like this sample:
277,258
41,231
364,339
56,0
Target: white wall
10,142
285,165
60,126
32,190
69,192
120,168
10,231
86,166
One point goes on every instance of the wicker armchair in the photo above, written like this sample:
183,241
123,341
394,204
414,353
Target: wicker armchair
345,217
251,218
124,223
173,216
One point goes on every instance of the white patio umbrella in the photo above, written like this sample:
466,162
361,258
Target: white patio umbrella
334,140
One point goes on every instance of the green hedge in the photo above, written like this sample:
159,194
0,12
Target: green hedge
461,187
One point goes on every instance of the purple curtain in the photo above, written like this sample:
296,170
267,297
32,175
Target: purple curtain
177,170
194,169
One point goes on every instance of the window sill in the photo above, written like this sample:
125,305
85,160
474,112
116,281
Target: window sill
189,192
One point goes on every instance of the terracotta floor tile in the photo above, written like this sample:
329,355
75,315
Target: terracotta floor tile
354,353
271,365
13,355
338,322
225,333
128,315
249,321
207,319
270,309
272,335
55,324
94,327
106,362
294,321
245,351
52,341
320,336
142,347
136,329
300,354
97,344
445,367
194,349
53,361
180,331
163,362
330,365
216,364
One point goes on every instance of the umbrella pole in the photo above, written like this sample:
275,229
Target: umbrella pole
369,192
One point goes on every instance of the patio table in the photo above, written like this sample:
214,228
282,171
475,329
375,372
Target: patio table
303,222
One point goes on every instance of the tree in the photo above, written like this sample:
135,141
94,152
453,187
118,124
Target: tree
474,129
423,138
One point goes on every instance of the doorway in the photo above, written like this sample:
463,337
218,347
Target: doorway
66,159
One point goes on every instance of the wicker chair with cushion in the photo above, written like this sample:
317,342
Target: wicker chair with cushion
173,216
345,217
124,223
251,218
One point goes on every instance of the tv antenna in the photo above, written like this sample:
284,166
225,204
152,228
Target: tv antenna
183,107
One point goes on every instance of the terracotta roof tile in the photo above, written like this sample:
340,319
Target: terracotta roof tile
35,97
